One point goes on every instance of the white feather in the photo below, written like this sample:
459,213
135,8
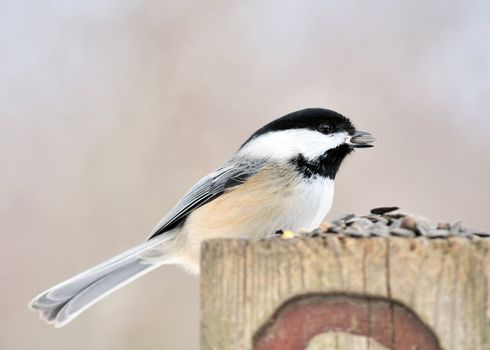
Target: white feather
282,145
62,303
313,201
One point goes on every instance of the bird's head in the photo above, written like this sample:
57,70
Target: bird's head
312,134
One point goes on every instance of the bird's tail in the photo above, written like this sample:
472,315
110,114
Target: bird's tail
65,301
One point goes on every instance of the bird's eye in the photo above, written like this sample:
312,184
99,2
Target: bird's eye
325,128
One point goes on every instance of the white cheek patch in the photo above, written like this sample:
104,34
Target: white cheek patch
282,145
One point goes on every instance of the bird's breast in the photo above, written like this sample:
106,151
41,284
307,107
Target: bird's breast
271,200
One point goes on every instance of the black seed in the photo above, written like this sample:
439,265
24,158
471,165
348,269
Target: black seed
395,216
383,210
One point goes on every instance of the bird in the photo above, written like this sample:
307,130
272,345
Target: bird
280,178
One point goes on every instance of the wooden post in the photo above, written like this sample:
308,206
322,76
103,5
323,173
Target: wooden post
346,293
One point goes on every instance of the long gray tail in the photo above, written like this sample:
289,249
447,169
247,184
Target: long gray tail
65,301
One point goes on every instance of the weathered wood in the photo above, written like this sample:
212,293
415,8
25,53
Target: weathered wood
398,293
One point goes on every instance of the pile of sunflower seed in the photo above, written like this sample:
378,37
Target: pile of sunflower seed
383,222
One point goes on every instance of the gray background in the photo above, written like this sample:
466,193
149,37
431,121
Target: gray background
110,110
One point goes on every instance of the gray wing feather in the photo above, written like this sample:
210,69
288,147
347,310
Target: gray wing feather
208,188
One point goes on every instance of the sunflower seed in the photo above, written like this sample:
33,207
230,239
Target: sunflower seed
444,226
334,229
383,210
395,216
346,217
423,226
456,228
356,231
361,222
409,223
437,233
402,232
378,229
478,232
395,224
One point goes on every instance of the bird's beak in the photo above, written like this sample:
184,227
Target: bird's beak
360,139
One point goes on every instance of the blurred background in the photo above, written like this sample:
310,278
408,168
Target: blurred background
110,110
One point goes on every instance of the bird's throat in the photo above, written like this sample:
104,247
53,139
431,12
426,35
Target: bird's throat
327,165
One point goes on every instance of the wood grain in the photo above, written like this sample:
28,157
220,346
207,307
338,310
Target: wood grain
444,282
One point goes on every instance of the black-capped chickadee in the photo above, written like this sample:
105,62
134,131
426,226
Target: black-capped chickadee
281,178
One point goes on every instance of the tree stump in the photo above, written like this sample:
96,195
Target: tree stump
346,293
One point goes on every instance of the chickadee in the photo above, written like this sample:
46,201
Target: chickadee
281,178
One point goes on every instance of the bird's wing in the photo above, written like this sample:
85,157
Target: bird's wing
208,188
